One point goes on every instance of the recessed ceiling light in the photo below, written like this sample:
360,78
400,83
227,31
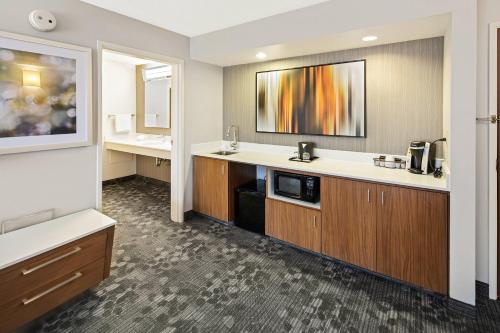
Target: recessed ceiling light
369,38
261,55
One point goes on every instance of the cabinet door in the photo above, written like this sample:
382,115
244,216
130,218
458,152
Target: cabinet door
397,239
412,236
210,188
294,224
349,215
433,228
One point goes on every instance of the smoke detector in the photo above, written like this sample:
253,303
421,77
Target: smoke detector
42,20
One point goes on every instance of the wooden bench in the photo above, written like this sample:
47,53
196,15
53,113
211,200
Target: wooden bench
45,265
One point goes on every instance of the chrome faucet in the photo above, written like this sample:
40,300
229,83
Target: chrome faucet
234,143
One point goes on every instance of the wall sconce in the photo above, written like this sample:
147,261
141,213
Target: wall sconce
31,78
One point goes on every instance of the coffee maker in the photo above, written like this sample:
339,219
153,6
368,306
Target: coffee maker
418,157
306,150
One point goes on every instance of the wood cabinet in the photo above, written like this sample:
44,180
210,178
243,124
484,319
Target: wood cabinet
211,187
35,286
214,185
294,224
396,231
412,236
349,211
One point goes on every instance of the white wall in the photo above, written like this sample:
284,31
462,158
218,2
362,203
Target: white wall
67,179
203,92
488,12
118,97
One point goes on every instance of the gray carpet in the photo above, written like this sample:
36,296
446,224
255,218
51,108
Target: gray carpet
202,276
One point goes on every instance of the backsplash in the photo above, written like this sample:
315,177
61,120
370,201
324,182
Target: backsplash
404,97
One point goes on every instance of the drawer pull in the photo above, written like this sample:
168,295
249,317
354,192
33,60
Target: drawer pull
54,288
45,264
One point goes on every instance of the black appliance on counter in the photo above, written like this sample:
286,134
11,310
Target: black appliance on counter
306,150
296,186
250,205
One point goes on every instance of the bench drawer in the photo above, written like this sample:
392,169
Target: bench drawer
40,300
34,273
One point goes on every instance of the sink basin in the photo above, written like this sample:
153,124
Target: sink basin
151,142
225,152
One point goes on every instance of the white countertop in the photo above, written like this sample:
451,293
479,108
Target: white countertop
141,144
22,244
333,167
143,140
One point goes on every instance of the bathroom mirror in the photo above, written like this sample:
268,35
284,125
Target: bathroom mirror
157,96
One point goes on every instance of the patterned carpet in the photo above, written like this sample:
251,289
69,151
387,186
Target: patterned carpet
202,276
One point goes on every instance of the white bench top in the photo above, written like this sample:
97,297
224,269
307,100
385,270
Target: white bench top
22,244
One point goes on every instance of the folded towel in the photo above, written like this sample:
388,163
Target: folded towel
123,123
150,120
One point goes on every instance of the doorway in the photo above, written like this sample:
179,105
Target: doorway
156,73
497,153
493,153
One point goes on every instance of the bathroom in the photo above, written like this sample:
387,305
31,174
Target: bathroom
136,125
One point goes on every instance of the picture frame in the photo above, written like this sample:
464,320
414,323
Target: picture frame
45,94
357,129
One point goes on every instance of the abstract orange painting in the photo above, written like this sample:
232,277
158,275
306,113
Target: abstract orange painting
317,100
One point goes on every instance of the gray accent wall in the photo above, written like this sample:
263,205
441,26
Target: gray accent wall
404,96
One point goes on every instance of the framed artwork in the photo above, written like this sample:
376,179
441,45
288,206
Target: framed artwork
45,94
315,100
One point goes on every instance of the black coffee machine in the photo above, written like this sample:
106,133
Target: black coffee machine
418,157
306,150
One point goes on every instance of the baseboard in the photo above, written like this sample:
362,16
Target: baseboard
462,309
118,180
190,214
196,214
482,289
152,180
132,177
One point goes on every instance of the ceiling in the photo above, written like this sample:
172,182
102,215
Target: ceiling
196,17
229,53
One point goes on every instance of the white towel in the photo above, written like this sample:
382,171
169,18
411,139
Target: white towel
123,123
150,120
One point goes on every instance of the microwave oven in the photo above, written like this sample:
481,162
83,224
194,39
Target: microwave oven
296,186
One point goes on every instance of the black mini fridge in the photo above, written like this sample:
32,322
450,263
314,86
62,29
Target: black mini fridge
250,206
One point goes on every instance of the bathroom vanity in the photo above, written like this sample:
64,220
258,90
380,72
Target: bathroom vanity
159,146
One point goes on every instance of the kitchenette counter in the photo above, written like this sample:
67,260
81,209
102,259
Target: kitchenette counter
360,170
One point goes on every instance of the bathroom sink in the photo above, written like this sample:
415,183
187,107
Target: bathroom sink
225,152
151,142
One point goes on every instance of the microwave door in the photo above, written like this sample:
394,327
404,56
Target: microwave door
289,186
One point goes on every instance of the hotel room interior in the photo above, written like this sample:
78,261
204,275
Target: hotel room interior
249,166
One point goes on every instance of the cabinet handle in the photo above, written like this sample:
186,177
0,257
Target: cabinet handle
382,197
314,219
27,301
222,169
368,195
45,264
